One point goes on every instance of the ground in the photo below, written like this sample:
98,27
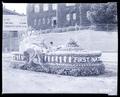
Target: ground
23,81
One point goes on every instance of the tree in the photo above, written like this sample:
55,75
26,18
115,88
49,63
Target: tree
103,13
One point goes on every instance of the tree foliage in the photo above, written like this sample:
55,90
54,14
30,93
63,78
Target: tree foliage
105,13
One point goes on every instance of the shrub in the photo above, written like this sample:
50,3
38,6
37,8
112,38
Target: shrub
66,70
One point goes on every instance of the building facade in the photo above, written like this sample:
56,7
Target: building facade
14,25
41,16
52,15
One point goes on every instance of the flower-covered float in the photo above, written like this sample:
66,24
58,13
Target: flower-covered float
68,60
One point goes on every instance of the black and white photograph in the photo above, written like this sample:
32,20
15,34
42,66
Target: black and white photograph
60,48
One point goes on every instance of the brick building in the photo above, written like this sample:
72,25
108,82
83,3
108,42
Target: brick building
40,16
48,16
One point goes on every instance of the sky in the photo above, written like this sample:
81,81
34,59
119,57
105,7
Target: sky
18,7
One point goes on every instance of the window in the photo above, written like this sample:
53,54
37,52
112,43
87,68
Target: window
70,4
74,16
36,8
54,6
68,17
43,20
34,21
14,34
45,7
54,21
39,21
48,21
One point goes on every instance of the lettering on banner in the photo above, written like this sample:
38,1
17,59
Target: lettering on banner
18,57
95,59
38,58
86,59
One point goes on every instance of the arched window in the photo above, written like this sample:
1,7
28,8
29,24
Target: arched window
39,21
68,17
43,20
54,21
35,21
74,16
48,20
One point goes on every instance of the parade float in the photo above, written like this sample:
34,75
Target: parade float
70,59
